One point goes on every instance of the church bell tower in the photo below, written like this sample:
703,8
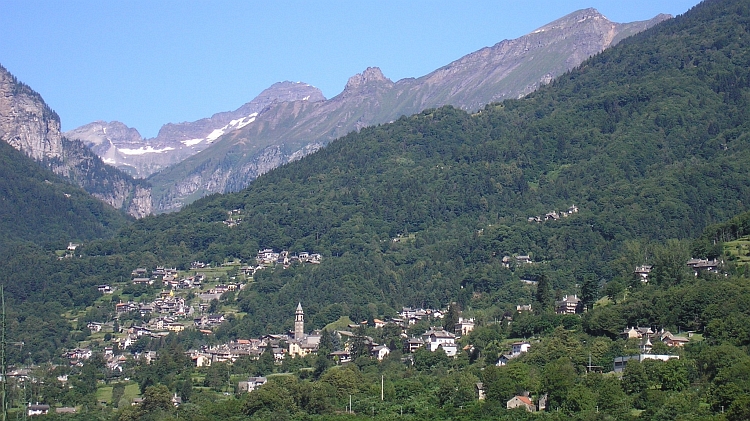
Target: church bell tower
299,323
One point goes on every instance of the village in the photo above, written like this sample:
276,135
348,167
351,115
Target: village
188,300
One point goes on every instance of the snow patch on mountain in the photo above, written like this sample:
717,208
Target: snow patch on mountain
144,150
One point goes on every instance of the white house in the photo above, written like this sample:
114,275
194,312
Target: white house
380,352
438,338
517,348
37,409
251,384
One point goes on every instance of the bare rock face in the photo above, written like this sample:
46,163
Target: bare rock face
371,75
29,125
124,148
26,122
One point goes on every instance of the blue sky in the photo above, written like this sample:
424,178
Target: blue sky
147,63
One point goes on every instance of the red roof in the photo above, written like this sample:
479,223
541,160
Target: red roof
525,399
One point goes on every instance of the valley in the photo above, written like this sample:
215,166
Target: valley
576,253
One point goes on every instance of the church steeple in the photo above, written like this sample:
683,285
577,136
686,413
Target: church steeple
299,323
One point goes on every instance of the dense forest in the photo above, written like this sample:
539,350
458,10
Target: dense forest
648,140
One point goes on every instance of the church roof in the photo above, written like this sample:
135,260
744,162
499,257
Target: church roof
299,306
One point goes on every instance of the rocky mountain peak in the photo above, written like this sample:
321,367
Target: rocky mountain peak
575,18
98,132
370,75
26,122
290,91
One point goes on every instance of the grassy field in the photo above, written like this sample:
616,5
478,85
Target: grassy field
738,250
104,393
341,324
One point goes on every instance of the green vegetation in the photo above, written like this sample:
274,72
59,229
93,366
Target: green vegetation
648,139
36,206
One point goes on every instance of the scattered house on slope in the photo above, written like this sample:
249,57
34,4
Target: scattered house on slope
480,392
642,272
523,307
411,345
464,326
570,304
516,348
105,289
37,409
636,332
380,352
703,265
438,338
620,362
673,340
341,357
522,402
251,384
65,410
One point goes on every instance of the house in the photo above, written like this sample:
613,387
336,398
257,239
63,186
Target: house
37,409
464,326
642,272
380,352
703,265
523,260
517,348
251,384
412,345
142,281
504,359
480,392
672,340
521,402
201,359
523,307
306,346
341,356
139,273
569,305
105,289
636,332
541,404
175,327
620,362
438,338
94,326
65,410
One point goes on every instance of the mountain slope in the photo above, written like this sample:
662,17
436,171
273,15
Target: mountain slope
288,130
29,125
649,139
124,148
37,206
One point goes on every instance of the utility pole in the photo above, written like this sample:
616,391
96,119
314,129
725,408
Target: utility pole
381,387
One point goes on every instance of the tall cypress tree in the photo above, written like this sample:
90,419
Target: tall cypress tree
543,293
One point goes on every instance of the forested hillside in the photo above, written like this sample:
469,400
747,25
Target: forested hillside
37,206
648,139
639,157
